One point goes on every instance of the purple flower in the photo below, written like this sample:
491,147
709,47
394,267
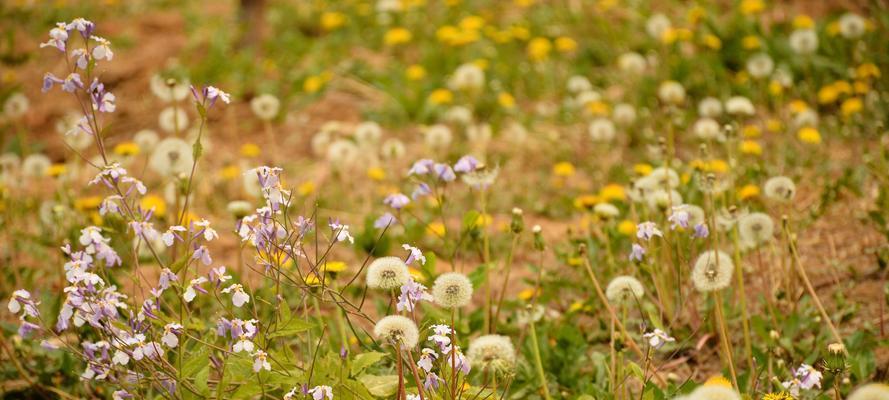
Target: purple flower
432,381
396,201
701,231
320,392
385,220
444,172
637,253
465,164
679,217
421,190
58,37
421,167
416,254
26,328
85,27
411,293
647,230
210,94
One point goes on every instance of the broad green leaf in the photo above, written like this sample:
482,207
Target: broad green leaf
292,327
365,360
380,385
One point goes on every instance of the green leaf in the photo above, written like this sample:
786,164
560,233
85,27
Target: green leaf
290,328
380,385
247,390
365,360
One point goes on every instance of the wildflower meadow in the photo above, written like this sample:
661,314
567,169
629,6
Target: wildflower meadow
444,199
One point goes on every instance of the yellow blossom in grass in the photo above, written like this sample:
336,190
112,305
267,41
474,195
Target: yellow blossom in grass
803,21
506,100
520,32
774,125
748,192
861,87
626,228
334,266
96,218
483,220
642,169
751,131
798,106
415,72
750,7
563,169
306,188
575,261
851,106
153,201
598,108
527,294
87,203
447,34
56,170
229,172
842,87
575,306
435,229
416,274
585,201
718,380
777,396
312,280
314,83
524,3
331,20
750,42
441,96
809,135
376,173
775,88
712,41
867,70
126,149
472,23
669,36
750,147
565,44
828,94
742,77
695,14
718,166
539,48
397,36
612,192
685,178
481,63
250,150
833,28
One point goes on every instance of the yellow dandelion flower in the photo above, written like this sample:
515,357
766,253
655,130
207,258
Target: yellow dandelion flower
87,203
750,7
376,173
481,63
774,125
833,28
312,280
314,83
566,44
483,220
575,261
777,396
447,34
750,42
642,169
524,3
56,170
230,172
575,306
717,166
506,100
585,201
331,20
306,188
695,14
851,106
828,94
415,72
775,88
803,21
842,87
397,36
416,274
520,32
712,41
250,150
718,380
626,228
750,147
598,108
809,135
563,169
748,192
435,229
126,149
861,87
153,201
539,48
669,35
334,266
751,131
612,192
472,23
527,294
441,96
867,70
798,106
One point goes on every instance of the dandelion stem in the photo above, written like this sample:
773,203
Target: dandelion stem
742,302
538,363
723,334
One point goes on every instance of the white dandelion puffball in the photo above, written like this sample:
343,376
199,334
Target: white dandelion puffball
452,290
807,117
852,26
392,149
9,162
632,63
804,41
36,165
656,25
172,119
756,228
870,391
368,133
780,188
714,392
606,210
342,153
712,271
515,132
710,107
458,115
16,106
624,114
467,77
661,178
760,65
601,130
146,139
169,90
387,273
320,143
396,329
438,136
671,92
172,156
624,290
707,129
492,353
695,214
479,133
265,107
577,84
739,105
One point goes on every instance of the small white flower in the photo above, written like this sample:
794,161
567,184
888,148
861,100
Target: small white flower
239,297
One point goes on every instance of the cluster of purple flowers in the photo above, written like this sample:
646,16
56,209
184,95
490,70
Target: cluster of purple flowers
441,353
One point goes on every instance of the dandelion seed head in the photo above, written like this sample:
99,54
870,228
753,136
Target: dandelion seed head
396,329
452,290
171,156
712,271
624,290
714,392
387,273
368,133
601,130
871,391
755,228
710,107
492,353
172,119
803,41
265,106
780,188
